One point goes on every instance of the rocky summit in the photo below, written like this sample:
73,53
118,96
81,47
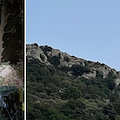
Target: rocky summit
50,56
64,87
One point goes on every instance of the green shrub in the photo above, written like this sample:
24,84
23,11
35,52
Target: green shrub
99,75
72,92
35,44
66,59
73,108
79,70
11,106
54,60
54,95
42,57
110,82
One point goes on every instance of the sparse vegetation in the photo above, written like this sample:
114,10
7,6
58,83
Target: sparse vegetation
79,70
1,81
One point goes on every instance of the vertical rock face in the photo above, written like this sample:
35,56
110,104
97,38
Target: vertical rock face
88,69
36,52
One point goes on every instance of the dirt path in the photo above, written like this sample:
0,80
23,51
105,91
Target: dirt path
8,76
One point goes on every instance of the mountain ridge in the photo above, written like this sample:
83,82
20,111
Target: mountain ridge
64,87
46,54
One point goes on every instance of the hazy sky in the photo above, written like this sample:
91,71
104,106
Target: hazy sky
89,29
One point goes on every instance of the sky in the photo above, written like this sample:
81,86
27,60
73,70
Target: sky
88,29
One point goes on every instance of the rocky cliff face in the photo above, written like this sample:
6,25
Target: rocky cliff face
50,56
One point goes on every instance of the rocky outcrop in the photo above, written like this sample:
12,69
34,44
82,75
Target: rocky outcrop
36,52
50,56
89,75
9,76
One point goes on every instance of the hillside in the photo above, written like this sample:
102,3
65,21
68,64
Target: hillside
64,87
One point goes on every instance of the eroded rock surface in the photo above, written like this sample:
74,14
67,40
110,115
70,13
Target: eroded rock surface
9,76
45,54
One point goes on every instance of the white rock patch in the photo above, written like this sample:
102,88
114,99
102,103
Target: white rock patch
8,76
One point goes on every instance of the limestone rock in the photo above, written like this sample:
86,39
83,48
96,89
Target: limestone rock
43,53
